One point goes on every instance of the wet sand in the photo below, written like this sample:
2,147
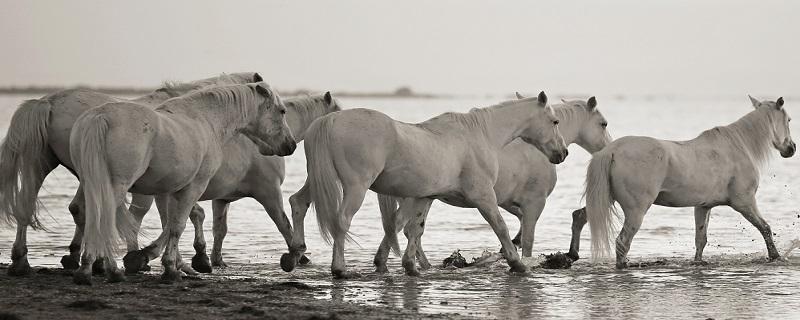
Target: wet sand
50,294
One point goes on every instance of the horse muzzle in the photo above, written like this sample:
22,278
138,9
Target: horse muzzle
789,152
559,157
287,148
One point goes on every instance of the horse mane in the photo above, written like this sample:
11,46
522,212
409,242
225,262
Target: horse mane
475,118
238,95
177,88
569,111
750,134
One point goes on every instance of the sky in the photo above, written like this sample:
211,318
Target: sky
454,47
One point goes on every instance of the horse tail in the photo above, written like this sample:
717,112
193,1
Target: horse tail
326,186
22,157
600,211
389,207
106,227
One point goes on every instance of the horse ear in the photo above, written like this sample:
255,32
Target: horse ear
779,103
328,98
591,103
519,96
754,101
542,98
257,77
262,91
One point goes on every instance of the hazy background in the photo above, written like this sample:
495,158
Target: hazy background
692,48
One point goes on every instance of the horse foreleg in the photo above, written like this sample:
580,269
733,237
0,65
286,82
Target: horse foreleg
578,221
180,207
531,211
749,211
299,203
382,255
76,207
200,261
140,205
517,212
487,205
701,215
220,229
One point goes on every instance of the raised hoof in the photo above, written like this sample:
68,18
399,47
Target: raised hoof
171,276
288,262
82,279
517,267
69,263
201,263
345,274
19,269
115,277
98,268
304,260
573,255
135,261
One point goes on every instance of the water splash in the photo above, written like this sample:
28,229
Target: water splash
794,244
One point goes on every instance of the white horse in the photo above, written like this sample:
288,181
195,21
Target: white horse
451,155
37,142
719,167
173,151
244,173
525,178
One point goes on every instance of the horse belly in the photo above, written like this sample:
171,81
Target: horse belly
413,183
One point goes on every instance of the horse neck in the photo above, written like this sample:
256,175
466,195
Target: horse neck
571,121
751,134
224,120
506,123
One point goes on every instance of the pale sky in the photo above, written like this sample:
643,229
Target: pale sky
460,47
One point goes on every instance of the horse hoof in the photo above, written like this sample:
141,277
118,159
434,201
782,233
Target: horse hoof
304,260
115,277
424,265
98,268
82,279
19,269
381,269
622,265
518,267
135,261
287,262
573,255
219,263
337,274
412,272
201,263
170,277
699,263
774,257
69,263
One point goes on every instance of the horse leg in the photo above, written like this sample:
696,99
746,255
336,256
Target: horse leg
299,202
749,211
200,261
353,197
517,212
269,196
422,259
418,210
25,217
531,211
384,248
180,207
137,260
578,221
633,221
486,202
701,215
140,205
76,207
220,229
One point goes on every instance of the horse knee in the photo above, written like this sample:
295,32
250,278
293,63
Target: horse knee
197,214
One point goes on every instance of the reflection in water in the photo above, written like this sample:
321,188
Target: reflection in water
731,286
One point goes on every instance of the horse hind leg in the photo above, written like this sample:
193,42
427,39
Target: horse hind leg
701,216
633,221
750,212
578,222
220,230
25,217
353,197
418,210
200,261
270,197
76,207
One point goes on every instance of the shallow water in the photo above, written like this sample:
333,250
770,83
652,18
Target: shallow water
735,284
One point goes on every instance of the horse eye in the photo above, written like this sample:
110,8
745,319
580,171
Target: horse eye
283,111
555,122
604,124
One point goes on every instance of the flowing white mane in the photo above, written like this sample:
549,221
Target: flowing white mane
176,88
751,134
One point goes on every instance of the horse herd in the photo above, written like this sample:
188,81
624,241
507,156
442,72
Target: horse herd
222,139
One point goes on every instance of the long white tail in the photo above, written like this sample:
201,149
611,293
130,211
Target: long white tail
22,157
600,211
326,187
389,206
107,222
